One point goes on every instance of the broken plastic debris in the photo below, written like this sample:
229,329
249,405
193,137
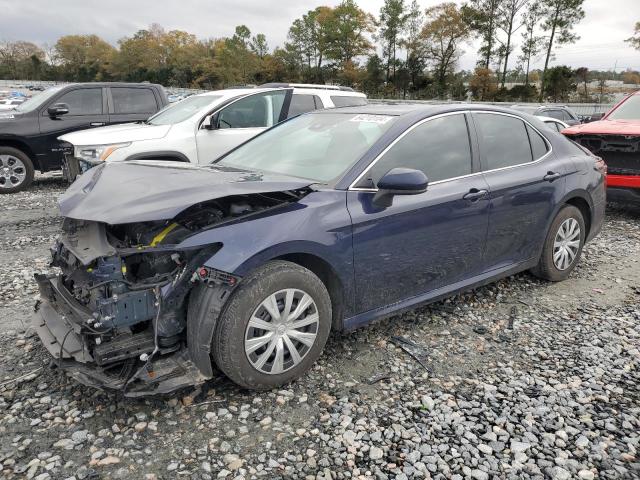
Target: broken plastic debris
418,352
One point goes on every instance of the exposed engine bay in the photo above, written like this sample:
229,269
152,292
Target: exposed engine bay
116,316
621,153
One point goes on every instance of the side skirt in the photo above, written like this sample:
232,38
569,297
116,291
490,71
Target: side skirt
365,318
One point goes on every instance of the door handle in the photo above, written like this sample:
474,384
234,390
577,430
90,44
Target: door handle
474,195
551,176
97,124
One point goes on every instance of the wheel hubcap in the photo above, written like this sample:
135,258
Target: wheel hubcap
281,331
12,171
566,244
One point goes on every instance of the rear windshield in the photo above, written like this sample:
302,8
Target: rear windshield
627,110
180,111
346,101
526,109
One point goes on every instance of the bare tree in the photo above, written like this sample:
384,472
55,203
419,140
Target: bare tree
510,22
560,16
443,33
531,42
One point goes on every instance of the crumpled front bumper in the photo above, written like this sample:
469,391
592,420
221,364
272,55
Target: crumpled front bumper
58,319
72,167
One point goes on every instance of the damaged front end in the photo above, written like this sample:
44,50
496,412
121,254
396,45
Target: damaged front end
116,315
621,153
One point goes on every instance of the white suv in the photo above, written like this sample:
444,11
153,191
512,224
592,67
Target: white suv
202,127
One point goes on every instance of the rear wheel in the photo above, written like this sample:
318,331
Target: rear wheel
563,245
274,326
16,170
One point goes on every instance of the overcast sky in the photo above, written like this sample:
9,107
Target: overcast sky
601,46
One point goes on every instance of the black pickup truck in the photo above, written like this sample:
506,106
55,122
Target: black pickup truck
28,133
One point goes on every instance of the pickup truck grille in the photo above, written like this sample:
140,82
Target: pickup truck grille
621,153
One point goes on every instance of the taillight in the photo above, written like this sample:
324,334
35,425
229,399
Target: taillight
600,166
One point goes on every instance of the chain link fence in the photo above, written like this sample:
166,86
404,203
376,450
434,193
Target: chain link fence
581,109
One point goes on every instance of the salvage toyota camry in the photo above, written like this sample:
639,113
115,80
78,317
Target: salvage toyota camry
171,272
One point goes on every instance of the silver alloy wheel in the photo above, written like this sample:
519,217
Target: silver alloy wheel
566,244
12,171
281,331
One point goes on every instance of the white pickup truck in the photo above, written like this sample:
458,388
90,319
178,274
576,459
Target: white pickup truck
202,127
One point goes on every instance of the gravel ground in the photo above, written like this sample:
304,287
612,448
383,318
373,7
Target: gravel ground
519,379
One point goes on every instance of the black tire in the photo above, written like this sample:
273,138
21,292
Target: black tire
28,167
228,345
546,267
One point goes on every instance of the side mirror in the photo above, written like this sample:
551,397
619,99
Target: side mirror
399,181
58,109
211,122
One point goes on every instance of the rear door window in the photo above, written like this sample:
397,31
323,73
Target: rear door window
552,125
539,146
303,103
503,139
83,101
347,101
133,100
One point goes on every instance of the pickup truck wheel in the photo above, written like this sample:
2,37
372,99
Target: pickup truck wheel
273,327
16,170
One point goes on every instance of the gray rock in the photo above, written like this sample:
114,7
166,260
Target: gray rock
479,474
375,453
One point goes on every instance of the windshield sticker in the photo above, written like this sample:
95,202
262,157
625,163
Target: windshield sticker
365,117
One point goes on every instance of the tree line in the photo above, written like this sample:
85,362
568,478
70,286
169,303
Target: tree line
403,52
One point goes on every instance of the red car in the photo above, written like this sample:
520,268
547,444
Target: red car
616,138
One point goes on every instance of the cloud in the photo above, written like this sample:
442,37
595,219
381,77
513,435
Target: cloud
606,25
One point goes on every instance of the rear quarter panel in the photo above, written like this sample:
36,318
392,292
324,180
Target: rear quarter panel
583,181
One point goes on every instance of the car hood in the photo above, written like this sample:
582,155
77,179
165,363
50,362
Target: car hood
142,191
9,115
605,127
125,132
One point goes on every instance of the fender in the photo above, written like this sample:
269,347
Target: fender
224,261
316,225
578,193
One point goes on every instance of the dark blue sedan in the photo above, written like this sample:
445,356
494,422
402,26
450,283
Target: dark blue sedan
327,221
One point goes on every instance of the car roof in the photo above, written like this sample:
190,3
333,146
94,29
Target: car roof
107,84
331,93
233,92
239,91
311,86
410,109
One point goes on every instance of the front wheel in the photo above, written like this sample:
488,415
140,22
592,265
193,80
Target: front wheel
16,170
274,326
563,245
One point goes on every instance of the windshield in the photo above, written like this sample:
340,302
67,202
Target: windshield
348,101
37,100
179,112
320,147
627,110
